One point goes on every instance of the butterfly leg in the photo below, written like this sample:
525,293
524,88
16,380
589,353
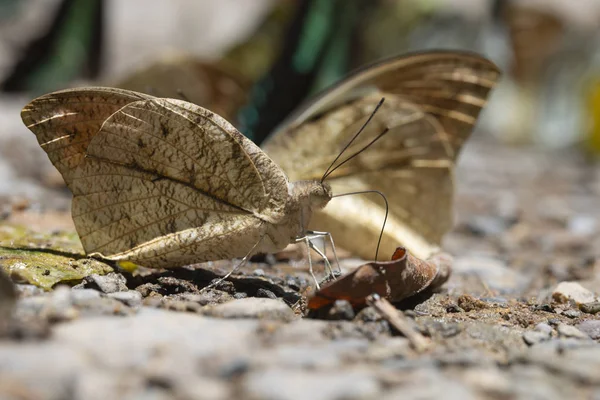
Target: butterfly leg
337,261
327,264
306,241
234,269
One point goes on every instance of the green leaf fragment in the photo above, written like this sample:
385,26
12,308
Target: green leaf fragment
45,260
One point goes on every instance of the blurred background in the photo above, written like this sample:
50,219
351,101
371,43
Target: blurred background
253,62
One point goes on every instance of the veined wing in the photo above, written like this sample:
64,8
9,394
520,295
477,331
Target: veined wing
165,182
65,122
412,165
448,85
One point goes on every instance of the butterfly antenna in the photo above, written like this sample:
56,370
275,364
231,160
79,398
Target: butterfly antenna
181,94
357,153
387,208
354,138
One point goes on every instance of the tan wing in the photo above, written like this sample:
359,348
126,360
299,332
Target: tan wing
209,85
450,86
411,165
124,214
166,183
64,122
432,101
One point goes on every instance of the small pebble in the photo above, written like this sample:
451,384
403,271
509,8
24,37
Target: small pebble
266,294
572,291
252,307
79,296
554,322
590,308
443,329
542,327
534,337
25,290
544,307
454,308
240,295
470,303
367,314
258,272
147,289
571,332
132,298
591,328
109,283
572,313
341,309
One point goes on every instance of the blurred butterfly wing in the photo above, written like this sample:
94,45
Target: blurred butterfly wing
65,122
411,165
164,183
450,86
209,85
432,101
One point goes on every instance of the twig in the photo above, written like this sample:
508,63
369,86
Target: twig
397,319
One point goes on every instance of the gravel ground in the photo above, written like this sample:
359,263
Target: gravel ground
501,328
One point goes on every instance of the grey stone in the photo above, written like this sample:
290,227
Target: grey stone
302,330
569,331
42,370
26,290
572,291
572,313
99,385
543,327
134,341
132,298
591,308
252,307
265,293
465,358
533,337
430,384
79,296
590,328
341,309
574,358
301,356
279,384
109,283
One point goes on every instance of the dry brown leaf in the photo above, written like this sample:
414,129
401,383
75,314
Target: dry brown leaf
394,280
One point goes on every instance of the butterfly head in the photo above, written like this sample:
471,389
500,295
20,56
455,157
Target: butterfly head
314,194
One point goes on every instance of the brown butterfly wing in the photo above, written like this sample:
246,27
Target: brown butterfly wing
432,101
65,122
450,86
210,85
164,183
411,165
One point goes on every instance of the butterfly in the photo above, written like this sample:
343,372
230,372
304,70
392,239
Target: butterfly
432,101
164,182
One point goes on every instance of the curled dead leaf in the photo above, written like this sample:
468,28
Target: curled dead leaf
402,277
